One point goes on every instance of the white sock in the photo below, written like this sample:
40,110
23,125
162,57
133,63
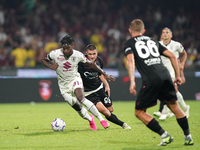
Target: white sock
84,114
164,135
92,108
181,101
165,109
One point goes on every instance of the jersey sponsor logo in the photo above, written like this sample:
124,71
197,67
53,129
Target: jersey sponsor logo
67,66
45,89
152,61
90,75
61,58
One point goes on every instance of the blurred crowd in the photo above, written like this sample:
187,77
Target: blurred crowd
29,29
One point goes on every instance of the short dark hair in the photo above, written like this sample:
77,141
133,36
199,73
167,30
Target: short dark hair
167,29
91,47
67,40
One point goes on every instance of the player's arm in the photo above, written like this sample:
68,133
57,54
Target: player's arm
182,59
182,64
174,62
130,62
107,87
97,68
48,64
181,73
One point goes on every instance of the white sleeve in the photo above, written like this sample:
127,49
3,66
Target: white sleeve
51,55
83,58
180,47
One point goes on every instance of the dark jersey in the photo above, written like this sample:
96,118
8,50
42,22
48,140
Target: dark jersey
90,77
157,83
146,52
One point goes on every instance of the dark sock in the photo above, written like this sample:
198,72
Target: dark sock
115,120
154,126
183,122
161,106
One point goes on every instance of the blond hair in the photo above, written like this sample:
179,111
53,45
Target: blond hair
136,25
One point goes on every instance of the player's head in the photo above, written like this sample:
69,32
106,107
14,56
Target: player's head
91,51
136,27
166,34
67,43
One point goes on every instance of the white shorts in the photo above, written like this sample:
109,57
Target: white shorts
68,90
171,72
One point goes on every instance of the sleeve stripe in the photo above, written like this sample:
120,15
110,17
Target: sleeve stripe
49,57
127,49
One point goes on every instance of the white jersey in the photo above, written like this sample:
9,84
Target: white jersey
175,48
67,69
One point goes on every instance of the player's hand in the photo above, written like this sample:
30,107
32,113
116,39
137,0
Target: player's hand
54,66
178,81
132,89
107,89
109,77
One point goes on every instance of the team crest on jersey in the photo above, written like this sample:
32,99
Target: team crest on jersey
73,59
45,90
61,58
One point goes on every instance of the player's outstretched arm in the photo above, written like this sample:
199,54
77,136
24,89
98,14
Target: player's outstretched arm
46,63
97,68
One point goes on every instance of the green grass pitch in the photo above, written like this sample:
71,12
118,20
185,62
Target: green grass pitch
25,126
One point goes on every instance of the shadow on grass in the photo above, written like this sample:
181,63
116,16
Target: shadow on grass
56,132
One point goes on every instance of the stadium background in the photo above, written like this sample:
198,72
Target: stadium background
32,28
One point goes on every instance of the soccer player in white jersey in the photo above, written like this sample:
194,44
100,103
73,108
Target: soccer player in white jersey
65,64
176,48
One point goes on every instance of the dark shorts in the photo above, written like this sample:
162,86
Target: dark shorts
102,96
150,92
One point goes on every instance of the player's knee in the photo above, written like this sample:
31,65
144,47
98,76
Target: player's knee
111,109
138,113
106,113
79,94
69,99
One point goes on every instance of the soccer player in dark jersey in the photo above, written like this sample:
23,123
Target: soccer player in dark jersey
144,52
94,89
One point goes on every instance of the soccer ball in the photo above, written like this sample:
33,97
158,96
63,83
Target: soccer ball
58,124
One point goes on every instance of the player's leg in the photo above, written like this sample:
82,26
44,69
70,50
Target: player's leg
110,116
182,121
170,94
90,106
181,101
153,125
75,104
106,102
159,112
166,113
111,108
77,89
147,97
